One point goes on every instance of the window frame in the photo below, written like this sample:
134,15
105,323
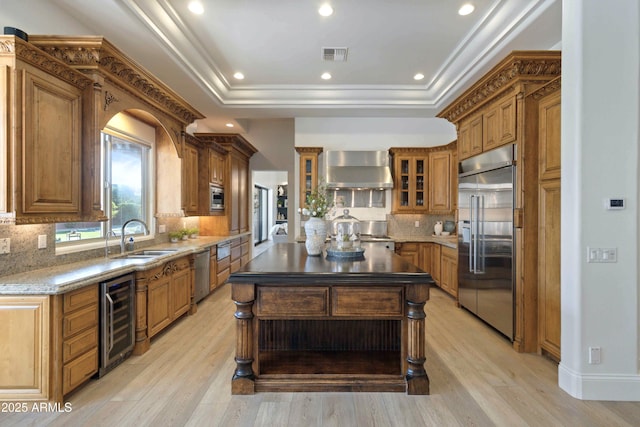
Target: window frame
148,192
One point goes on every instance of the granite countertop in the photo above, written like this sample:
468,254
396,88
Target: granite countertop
67,277
448,241
289,263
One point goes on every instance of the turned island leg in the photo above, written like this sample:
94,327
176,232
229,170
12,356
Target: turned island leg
417,378
243,381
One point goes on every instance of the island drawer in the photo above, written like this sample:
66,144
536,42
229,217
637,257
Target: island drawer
300,301
350,301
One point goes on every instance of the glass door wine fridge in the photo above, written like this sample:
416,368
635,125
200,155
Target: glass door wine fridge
117,321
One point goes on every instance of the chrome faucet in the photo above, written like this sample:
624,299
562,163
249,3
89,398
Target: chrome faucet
146,231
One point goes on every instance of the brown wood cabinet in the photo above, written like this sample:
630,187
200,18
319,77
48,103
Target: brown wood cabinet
216,167
224,262
236,186
114,84
549,125
25,351
308,171
45,105
441,262
409,251
501,108
79,337
410,167
470,137
163,294
440,181
190,180
213,268
424,179
449,271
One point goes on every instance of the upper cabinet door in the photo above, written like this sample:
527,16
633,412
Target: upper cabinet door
51,146
440,181
549,136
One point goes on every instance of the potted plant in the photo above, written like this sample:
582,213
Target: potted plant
174,236
193,233
184,234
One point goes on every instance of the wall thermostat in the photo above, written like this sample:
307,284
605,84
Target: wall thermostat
614,204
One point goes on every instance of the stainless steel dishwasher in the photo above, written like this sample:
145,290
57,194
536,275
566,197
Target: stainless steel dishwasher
202,275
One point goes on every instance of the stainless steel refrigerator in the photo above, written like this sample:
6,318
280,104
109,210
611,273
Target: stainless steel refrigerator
486,262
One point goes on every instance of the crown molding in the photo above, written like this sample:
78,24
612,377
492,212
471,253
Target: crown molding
96,54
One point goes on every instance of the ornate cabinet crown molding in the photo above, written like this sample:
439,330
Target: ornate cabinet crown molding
518,67
91,53
229,140
30,54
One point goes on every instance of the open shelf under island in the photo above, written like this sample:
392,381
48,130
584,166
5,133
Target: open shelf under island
309,323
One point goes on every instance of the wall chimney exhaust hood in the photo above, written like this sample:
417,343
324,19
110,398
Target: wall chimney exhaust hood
358,170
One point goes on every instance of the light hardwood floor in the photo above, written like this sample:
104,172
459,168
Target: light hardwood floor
476,380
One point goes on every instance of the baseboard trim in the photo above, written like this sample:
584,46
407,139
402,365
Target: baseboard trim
599,387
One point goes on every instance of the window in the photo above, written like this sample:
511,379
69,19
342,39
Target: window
127,191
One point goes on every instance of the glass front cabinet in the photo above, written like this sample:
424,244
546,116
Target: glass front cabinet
411,175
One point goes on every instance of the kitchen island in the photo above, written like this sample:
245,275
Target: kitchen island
310,323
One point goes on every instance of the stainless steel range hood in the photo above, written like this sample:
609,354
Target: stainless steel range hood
358,170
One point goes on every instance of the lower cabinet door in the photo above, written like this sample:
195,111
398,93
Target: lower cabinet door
159,309
180,293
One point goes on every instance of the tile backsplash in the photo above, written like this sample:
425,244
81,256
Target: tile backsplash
405,224
26,256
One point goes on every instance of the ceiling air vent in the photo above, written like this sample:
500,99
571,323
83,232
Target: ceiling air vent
334,54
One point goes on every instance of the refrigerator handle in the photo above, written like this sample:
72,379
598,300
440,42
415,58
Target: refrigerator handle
471,233
480,242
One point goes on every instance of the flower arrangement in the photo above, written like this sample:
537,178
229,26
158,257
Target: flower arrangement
318,203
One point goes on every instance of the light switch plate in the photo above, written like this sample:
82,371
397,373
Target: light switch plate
42,241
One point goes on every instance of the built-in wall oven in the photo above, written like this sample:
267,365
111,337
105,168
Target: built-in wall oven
117,321
216,194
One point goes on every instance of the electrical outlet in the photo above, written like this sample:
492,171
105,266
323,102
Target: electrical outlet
42,241
5,245
594,355
417,224
162,228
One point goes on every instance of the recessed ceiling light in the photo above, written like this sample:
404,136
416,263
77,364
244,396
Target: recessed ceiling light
238,76
229,125
325,10
418,76
466,9
325,76
196,7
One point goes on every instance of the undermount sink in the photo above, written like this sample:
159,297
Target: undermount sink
158,252
149,253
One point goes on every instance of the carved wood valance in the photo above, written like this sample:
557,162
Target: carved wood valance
551,87
12,45
517,68
94,53
226,140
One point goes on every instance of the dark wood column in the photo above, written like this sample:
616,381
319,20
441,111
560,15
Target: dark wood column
243,381
417,378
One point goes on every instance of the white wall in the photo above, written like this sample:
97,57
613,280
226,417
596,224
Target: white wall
600,98
372,133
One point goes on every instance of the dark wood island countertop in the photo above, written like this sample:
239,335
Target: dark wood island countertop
312,323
